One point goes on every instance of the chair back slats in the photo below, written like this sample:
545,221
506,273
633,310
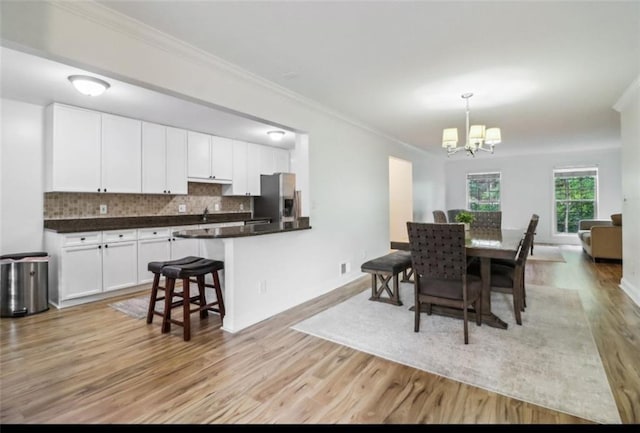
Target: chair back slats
439,217
525,247
438,250
533,223
487,220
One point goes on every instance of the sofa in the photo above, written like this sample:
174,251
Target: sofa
602,238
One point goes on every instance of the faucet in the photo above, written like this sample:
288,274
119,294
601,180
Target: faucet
204,214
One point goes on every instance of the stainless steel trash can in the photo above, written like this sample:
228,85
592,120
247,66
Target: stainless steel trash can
24,284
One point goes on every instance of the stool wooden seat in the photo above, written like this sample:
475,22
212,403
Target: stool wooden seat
156,269
191,272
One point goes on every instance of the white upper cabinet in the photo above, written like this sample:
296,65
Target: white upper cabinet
164,159
88,151
221,158
121,154
210,158
250,160
253,168
273,160
72,156
176,166
199,151
281,157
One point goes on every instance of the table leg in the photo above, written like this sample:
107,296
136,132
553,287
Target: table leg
488,318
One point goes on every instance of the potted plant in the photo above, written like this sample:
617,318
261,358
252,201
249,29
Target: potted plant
466,218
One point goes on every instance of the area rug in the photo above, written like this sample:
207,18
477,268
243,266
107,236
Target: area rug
551,360
546,253
137,307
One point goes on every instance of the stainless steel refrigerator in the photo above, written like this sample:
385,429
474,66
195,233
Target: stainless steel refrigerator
277,197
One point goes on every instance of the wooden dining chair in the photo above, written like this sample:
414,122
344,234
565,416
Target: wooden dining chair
531,229
439,217
510,279
487,220
439,261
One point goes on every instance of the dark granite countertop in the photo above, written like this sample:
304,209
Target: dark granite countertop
244,231
99,224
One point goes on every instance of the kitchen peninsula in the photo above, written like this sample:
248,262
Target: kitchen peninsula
255,277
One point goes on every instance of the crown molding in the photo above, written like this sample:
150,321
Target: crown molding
130,27
627,96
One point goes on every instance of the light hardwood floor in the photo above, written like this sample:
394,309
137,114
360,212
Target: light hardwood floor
93,364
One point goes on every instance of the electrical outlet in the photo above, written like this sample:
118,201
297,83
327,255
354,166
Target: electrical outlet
103,209
216,206
182,208
344,268
241,206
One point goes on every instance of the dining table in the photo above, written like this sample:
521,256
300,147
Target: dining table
485,244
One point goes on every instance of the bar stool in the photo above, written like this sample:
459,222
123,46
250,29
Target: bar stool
156,269
187,272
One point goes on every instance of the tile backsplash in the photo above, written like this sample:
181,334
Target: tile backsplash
63,205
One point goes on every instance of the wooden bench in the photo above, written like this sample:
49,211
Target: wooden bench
384,269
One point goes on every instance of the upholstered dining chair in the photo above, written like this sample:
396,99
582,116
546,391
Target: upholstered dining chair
439,217
487,220
439,261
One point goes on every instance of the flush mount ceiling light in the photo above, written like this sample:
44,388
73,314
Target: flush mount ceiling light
89,86
476,136
276,135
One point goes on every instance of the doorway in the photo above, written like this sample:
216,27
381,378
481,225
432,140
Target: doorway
400,198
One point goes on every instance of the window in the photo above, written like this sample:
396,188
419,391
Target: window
483,191
575,192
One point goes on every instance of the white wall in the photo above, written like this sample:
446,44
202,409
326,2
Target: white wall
527,186
629,108
347,194
21,170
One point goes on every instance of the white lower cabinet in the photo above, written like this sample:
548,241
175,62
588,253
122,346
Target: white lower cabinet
119,268
158,245
90,263
88,266
80,271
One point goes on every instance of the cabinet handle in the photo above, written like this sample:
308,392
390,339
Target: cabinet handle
98,189
105,190
169,191
213,177
164,191
99,247
155,233
169,239
106,246
82,239
119,236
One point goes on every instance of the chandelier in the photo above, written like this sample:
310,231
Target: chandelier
477,136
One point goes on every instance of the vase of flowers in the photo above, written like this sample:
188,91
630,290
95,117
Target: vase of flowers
465,218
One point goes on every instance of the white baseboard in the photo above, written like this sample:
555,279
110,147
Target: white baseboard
631,290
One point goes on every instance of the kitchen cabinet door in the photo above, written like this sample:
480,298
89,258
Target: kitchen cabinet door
253,169
267,160
199,155
239,178
119,265
222,158
154,158
121,154
151,250
281,160
183,247
176,161
81,271
72,156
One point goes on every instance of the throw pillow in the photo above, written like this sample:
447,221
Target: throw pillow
616,218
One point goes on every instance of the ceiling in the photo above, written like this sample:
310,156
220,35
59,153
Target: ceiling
547,73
